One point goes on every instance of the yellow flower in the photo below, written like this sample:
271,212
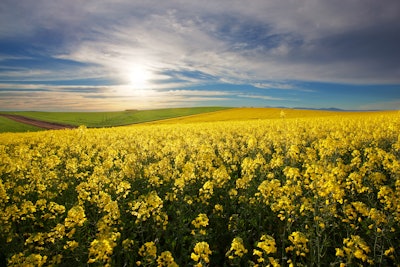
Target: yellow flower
166,260
148,251
233,192
237,248
146,206
339,252
274,262
356,247
205,193
71,245
3,193
31,260
259,254
76,217
389,251
201,252
218,208
100,251
299,241
200,221
267,244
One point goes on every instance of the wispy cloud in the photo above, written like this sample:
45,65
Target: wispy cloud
281,86
41,97
263,97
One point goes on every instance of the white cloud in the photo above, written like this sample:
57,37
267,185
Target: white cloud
213,37
185,44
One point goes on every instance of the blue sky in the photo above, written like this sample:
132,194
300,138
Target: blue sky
70,55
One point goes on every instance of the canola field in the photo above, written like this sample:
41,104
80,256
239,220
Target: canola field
311,191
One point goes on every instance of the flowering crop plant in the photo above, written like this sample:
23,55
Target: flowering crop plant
313,191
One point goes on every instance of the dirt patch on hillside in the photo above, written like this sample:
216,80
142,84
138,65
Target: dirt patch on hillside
38,123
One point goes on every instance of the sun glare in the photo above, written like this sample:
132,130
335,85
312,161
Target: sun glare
139,77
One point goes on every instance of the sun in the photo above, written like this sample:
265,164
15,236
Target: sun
139,77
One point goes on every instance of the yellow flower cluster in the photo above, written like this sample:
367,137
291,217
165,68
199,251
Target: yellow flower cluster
201,253
354,247
149,206
148,251
237,249
266,246
286,191
200,223
299,244
166,260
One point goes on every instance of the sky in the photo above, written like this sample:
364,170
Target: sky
74,55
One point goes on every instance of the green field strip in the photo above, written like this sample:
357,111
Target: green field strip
108,119
10,126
